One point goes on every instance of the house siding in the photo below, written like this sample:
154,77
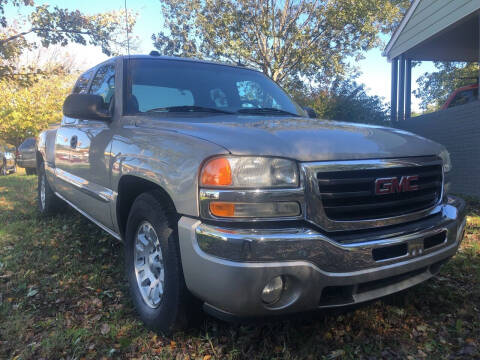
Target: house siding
430,18
458,129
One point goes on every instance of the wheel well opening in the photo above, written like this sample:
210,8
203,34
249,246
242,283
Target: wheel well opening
129,188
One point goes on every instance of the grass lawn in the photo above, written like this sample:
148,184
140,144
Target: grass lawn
63,295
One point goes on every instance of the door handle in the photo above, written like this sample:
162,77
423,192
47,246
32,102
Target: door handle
73,141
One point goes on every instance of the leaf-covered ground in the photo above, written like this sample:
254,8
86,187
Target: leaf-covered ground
63,295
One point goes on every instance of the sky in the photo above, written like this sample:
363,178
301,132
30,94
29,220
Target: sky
375,71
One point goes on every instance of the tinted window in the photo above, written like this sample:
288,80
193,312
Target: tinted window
27,143
158,84
150,97
464,97
103,83
81,86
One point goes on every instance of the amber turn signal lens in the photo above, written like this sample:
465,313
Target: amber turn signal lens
222,209
216,172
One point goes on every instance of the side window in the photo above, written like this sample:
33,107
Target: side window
103,83
82,83
463,98
27,143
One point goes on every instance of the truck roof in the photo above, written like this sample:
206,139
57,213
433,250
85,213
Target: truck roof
164,57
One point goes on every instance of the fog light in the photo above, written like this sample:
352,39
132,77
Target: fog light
273,290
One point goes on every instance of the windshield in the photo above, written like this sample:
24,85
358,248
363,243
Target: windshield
188,86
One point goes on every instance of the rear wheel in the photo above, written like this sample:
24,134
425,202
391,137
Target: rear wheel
30,171
153,267
48,202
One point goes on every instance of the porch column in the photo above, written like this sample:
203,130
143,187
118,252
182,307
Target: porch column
401,89
408,89
394,88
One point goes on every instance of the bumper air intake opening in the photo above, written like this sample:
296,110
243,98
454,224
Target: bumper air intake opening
434,240
344,295
378,284
389,252
335,295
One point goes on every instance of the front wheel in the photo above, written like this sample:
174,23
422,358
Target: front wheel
153,267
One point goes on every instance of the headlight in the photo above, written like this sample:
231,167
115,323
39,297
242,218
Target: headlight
249,172
447,164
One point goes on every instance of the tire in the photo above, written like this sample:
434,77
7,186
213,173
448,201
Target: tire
162,312
30,171
4,168
48,203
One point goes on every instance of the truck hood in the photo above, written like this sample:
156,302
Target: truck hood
302,139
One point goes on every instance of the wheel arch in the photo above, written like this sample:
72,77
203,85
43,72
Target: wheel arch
129,188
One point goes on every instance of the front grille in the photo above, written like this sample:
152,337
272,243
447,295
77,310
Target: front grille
350,195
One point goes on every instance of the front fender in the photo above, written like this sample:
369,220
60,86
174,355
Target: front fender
168,159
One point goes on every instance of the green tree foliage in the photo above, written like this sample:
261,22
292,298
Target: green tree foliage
346,101
435,87
56,26
291,41
26,111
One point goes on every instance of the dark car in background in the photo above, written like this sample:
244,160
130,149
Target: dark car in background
7,159
26,157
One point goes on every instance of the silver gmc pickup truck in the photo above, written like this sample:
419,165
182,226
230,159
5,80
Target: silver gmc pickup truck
224,190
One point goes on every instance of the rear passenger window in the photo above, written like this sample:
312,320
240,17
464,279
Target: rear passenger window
103,83
27,143
81,86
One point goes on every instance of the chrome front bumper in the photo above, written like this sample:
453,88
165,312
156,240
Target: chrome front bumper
228,268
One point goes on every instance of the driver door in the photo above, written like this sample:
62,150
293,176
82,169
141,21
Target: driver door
87,169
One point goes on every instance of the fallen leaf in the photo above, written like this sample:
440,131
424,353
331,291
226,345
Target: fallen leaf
32,292
105,329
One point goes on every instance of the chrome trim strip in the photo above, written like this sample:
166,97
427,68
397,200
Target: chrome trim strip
251,196
103,227
96,191
314,206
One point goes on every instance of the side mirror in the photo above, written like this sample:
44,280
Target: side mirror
310,112
86,106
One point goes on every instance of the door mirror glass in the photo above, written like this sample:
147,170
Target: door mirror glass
86,106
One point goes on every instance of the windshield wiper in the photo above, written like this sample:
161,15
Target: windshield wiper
266,111
188,108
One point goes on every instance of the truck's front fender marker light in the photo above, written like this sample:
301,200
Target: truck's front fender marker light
254,210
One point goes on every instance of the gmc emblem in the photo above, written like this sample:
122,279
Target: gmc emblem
393,185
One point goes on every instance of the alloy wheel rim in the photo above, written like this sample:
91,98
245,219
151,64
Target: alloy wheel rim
149,265
42,191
